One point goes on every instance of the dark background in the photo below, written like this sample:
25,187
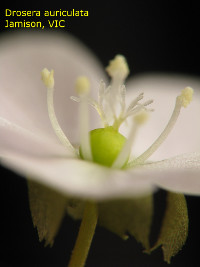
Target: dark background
156,36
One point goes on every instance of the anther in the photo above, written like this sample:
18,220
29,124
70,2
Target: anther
141,117
48,78
118,67
186,96
82,85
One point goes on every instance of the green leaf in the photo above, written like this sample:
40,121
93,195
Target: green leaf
47,209
133,216
174,228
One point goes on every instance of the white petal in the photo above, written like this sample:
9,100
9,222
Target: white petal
185,137
178,174
81,178
23,95
22,141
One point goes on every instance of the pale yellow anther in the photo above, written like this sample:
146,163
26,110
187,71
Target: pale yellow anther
141,117
118,67
48,78
82,85
186,96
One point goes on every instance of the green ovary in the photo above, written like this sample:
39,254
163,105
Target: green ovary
106,144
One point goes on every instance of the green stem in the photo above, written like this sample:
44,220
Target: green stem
85,236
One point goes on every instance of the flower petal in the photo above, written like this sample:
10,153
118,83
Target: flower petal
178,174
185,137
16,139
81,178
23,95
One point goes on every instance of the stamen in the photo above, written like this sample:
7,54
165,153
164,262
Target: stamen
82,87
186,96
95,105
118,67
139,119
118,71
182,100
48,80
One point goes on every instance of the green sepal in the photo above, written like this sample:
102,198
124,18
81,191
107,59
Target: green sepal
131,216
174,230
47,208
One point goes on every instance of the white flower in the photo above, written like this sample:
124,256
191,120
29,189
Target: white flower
28,143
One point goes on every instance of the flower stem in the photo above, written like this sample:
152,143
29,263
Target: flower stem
85,236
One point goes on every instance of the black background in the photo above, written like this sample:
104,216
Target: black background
156,36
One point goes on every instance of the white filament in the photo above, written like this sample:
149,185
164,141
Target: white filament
48,79
82,87
126,150
84,129
182,100
54,122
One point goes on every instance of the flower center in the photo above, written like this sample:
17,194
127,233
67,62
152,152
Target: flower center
106,145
